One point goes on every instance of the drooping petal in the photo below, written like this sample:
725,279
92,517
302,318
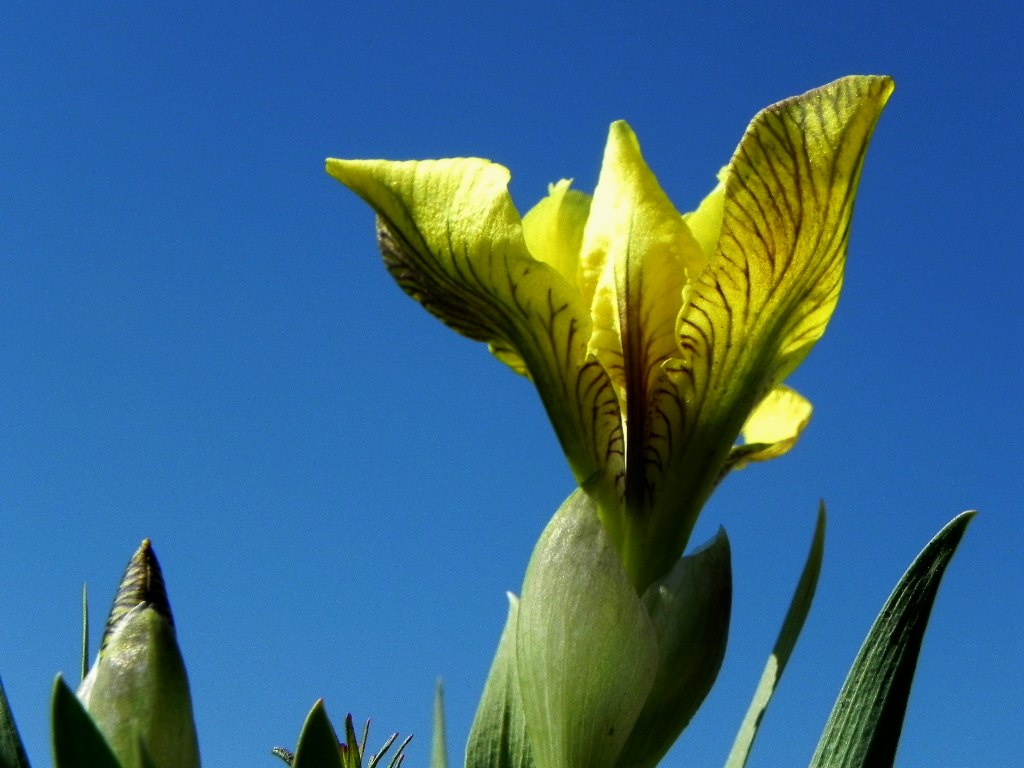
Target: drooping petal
453,240
768,291
638,255
772,428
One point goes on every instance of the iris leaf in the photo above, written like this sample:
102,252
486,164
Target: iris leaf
318,742
439,748
77,742
864,728
799,607
12,752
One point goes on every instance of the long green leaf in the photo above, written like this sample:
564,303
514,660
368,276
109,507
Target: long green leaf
799,607
352,755
864,728
85,631
439,750
12,752
77,742
318,742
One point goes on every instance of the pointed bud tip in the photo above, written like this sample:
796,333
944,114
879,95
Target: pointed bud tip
142,584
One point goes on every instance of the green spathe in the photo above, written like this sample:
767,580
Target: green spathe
608,678
498,738
318,742
690,611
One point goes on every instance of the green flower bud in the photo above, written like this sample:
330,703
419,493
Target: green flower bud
137,691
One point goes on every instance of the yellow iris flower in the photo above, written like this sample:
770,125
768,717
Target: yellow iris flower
652,336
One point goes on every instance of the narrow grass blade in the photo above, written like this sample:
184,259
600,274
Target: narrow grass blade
799,607
85,631
439,751
864,728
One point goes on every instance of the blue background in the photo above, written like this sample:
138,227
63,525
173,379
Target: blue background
199,345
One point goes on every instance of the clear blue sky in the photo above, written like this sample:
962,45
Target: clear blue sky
198,344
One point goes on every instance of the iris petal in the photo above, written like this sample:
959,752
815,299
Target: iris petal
638,255
775,278
767,293
772,428
554,228
453,240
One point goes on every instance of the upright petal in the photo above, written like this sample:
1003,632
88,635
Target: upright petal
637,257
772,284
453,240
706,222
554,228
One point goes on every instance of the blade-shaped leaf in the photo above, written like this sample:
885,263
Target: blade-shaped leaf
799,607
77,742
12,752
864,728
396,758
498,736
318,742
352,752
85,631
145,759
439,750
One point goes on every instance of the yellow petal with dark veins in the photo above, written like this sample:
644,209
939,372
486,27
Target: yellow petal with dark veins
453,240
553,230
772,428
768,291
706,222
638,255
